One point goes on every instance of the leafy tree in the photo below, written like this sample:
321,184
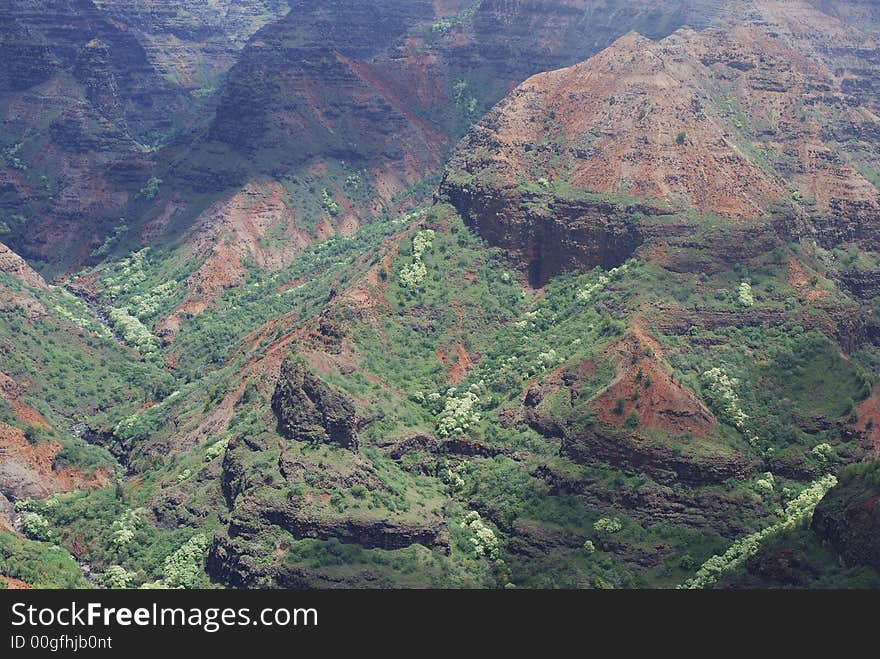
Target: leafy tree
36,527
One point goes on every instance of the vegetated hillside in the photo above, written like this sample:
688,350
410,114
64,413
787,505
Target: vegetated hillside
840,546
339,113
344,105
599,359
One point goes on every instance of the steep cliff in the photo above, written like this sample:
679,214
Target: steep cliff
79,108
718,132
310,411
350,107
193,42
65,27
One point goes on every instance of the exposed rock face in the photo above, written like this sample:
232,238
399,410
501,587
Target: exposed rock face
549,235
663,463
94,72
310,411
506,41
15,302
235,559
862,284
295,98
27,470
237,555
848,518
387,87
7,512
374,62
66,26
193,41
11,263
633,147
698,509
847,324
250,515
85,97
27,306
27,60
384,89
782,567
458,446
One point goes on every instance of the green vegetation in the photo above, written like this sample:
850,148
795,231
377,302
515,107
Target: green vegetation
413,274
133,331
36,527
184,568
38,564
151,189
797,512
440,341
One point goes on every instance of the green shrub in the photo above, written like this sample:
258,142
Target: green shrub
36,527
38,564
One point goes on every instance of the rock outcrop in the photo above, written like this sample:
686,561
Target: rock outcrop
192,41
308,410
235,558
94,71
28,469
12,264
251,515
708,508
7,513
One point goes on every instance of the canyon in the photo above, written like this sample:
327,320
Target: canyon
472,294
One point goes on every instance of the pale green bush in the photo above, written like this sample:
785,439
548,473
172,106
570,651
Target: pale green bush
217,449
607,525
723,397
133,331
796,512
117,577
184,568
124,528
413,274
459,414
484,540
745,296
36,527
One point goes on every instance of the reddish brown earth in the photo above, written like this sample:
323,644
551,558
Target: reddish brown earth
256,225
25,305
15,584
798,278
12,393
746,128
622,112
674,439
11,263
662,404
868,412
26,470
462,366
